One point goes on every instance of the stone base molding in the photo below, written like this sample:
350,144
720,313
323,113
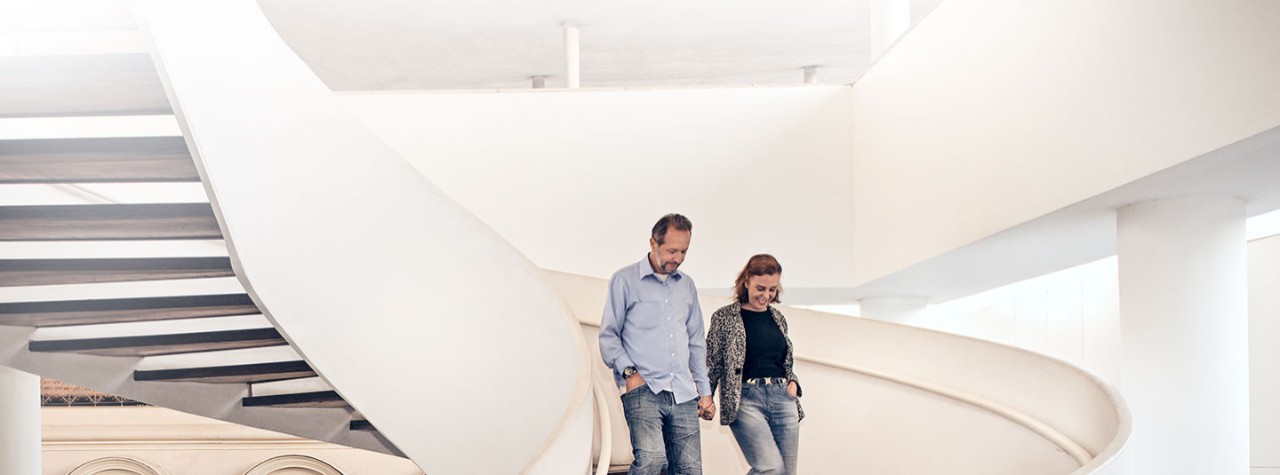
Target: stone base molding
114,465
301,462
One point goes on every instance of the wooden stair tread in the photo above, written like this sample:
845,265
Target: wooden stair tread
246,373
361,424
168,344
94,160
307,399
15,272
108,222
138,309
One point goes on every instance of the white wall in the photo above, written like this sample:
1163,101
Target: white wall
1074,315
576,179
1264,355
993,112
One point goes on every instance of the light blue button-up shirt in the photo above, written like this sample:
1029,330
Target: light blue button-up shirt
657,327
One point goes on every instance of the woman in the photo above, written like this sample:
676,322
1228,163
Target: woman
749,358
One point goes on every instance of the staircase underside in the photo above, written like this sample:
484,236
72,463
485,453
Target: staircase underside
82,318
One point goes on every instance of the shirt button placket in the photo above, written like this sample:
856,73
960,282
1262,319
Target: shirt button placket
666,301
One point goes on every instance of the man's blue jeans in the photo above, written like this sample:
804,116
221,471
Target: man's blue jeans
768,429
663,433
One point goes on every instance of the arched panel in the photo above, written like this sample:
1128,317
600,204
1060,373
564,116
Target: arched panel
294,465
117,466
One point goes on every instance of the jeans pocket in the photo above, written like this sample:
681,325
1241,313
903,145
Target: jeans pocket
634,390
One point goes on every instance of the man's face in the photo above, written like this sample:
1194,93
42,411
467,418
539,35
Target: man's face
668,256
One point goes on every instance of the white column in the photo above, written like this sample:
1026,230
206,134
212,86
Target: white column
1264,354
1184,328
889,20
571,55
810,74
19,422
894,308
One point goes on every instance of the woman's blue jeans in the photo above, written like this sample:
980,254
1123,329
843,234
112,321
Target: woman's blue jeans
768,429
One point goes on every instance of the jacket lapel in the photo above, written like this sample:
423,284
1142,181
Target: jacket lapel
738,338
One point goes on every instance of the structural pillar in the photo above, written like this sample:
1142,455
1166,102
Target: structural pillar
571,56
899,309
19,422
1185,336
810,74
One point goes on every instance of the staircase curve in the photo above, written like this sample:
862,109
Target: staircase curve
331,292
321,287
889,398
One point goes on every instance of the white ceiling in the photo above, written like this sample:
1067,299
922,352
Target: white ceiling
379,45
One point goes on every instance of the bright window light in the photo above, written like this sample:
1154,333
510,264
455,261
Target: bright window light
1263,225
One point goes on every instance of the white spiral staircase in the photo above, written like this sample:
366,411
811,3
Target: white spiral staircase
326,289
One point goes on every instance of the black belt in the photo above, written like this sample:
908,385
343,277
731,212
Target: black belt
766,381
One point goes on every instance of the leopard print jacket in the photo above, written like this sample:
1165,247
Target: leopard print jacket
726,351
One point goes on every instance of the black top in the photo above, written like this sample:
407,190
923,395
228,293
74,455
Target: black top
766,347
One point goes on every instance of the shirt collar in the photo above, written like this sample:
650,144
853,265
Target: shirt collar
645,269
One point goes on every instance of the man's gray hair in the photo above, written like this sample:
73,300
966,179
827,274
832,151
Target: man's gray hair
670,221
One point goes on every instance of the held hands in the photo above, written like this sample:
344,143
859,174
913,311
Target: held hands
706,408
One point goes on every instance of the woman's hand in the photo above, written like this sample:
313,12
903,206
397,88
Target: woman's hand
793,388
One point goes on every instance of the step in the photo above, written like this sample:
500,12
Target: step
231,357
292,386
361,424
96,160
80,85
96,311
108,222
308,399
246,373
15,272
170,344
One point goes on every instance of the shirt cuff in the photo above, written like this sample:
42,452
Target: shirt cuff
623,362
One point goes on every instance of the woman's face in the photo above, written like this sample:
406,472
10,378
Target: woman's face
761,289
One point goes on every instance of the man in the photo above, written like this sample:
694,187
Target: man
652,336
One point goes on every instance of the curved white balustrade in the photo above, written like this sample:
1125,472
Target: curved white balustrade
888,398
450,342
604,428
569,450
1063,442
612,449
